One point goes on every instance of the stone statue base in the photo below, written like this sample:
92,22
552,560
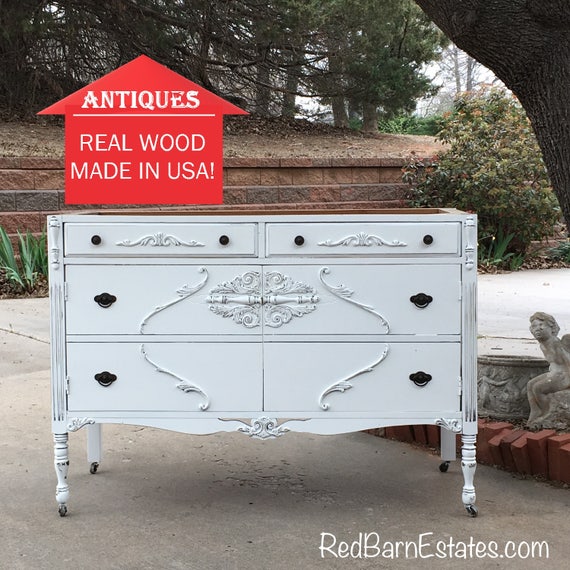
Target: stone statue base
502,381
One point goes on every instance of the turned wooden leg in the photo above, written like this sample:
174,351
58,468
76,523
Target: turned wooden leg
468,465
61,463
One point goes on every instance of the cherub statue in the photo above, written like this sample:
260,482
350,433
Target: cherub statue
557,351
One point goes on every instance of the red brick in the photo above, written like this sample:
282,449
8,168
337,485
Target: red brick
242,177
241,162
12,222
505,446
519,451
365,175
235,195
420,434
401,433
537,444
565,463
41,163
49,179
305,162
276,177
433,435
307,176
486,432
294,194
352,193
388,192
495,448
16,180
324,194
337,176
9,162
555,456
261,195
390,175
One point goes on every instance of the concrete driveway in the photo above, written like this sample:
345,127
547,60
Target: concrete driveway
171,501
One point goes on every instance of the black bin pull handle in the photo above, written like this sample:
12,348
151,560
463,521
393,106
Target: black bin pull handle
421,300
105,378
420,378
105,300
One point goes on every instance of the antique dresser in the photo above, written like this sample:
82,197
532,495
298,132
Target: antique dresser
264,324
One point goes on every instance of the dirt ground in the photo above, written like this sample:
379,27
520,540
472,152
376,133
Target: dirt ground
247,137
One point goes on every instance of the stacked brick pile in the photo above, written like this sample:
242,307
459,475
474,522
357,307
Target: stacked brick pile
543,454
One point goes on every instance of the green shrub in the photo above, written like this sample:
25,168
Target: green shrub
24,272
411,125
561,252
494,168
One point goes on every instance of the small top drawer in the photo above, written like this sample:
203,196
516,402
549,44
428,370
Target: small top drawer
180,240
370,239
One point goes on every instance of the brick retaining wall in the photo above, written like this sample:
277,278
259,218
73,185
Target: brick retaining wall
31,188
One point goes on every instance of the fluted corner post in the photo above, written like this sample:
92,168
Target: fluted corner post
61,462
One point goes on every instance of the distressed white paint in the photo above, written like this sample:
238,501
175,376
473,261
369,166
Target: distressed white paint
261,335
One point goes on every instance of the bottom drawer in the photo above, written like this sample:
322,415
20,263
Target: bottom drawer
362,377
181,377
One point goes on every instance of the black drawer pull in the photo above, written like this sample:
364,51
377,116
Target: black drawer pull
105,378
224,240
428,240
420,378
96,240
299,240
105,300
421,300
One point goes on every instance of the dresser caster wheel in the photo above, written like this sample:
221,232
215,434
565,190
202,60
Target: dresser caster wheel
93,467
443,467
471,510
62,510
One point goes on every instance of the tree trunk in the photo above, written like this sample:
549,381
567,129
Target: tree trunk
369,118
526,43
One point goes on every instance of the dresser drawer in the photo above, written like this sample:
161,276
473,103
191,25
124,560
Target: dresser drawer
163,300
189,377
363,239
367,377
373,299
168,239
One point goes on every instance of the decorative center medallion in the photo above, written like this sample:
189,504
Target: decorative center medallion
273,297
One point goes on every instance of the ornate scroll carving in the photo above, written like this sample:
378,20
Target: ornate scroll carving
262,428
283,298
344,384
159,239
453,425
75,424
344,293
184,385
183,293
362,239
238,299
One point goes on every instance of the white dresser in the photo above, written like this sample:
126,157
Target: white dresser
264,324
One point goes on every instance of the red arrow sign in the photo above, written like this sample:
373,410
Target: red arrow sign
143,135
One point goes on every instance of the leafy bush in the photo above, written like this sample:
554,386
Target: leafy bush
411,125
561,252
494,168
32,263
